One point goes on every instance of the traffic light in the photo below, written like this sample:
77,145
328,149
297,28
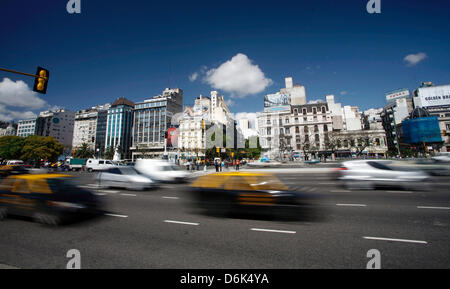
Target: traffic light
40,83
218,150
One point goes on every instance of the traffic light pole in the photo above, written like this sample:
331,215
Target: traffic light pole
23,73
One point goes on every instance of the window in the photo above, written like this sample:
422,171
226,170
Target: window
316,128
305,129
286,120
314,110
324,109
295,111
269,132
317,138
304,111
287,131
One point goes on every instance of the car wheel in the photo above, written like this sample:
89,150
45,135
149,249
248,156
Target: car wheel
90,170
3,213
47,219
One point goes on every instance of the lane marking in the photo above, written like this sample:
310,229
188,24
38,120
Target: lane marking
400,192
180,222
437,208
107,191
326,183
100,194
116,215
340,191
352,205
395,240
131,195
172,198
273,231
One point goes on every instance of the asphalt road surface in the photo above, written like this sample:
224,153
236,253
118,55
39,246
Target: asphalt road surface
161,229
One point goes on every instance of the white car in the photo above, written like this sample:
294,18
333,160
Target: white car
14,162
160,170
124,177
442,157
98,164
369,174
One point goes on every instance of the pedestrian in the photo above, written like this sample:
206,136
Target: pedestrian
223,166
216,163
237,165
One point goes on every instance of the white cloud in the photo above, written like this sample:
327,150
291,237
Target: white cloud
238,76
8,115
193,77
413,59
344,92
18,101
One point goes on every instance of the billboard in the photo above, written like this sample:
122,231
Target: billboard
172,137
434,95
277,99
422,129
399,93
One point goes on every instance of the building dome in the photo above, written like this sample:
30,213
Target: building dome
419,112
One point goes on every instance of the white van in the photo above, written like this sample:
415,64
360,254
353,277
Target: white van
160,170
99,164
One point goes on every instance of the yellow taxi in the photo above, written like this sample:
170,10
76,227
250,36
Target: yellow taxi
47,198
243,191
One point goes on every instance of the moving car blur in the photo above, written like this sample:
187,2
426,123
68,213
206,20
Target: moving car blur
250,194
126,177
160,170
371,174
47,198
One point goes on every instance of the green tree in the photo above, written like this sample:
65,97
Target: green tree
11,147
83,152
39,147
109,153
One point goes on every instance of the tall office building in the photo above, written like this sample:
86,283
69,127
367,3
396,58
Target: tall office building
58,124
152,118
119,126
85,127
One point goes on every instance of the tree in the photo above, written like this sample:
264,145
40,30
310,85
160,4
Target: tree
109,153
83,152
38,147
11,147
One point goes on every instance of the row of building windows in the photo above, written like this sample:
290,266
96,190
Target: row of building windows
151,104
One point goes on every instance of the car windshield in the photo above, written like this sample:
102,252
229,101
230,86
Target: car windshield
129,171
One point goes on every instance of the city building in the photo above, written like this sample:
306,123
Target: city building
397,109
8,130
436,100
58,124
119,127
26,127
86,126
152,119
196,120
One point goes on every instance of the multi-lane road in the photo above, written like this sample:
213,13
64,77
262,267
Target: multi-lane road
160,229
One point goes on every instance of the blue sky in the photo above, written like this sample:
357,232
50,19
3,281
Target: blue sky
137,48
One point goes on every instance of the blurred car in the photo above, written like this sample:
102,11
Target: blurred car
124,177
245,192
311,162
47,198
369,174
264,163
442,157
430,166
160,170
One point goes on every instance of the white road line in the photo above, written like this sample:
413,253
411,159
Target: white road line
273,231
326,183
437,208
400,192
182,223
340,191
172,198
131,195
100,194
352,205
116,215
107,191
395,240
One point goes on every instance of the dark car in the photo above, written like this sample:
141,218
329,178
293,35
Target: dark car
243,192
47,198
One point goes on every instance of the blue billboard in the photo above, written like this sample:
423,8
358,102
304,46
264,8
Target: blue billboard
422,129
